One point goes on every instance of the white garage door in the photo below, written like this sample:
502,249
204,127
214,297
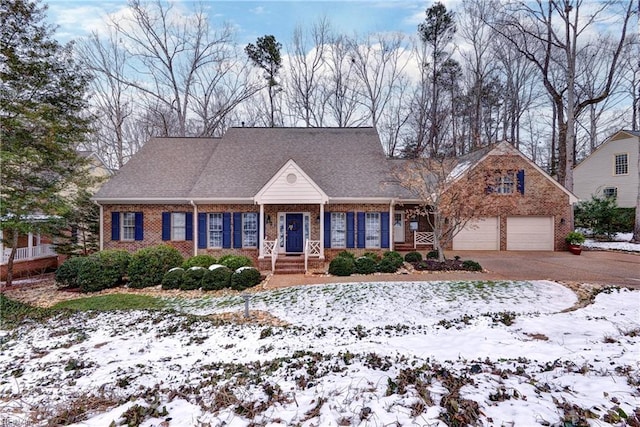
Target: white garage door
530,233
480,235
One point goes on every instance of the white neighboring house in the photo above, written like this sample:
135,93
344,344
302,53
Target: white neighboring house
611,170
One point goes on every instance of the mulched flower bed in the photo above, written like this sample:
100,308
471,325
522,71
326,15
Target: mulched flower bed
446,265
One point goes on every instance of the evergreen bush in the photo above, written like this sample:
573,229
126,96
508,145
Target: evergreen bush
244,277
433,254
471,265
199,261
413,257
67,273
374,256
388,265
148,265
173,278
341,266
216,279
234,262
395,257
365,265
347,254
192,278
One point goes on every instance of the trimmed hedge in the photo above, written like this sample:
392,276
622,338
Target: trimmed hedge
199,261
365,265
244,278
192,278
413,257
394,257
67,273
173,278
234,262
216,279
342,266
388,265
148,265
94,273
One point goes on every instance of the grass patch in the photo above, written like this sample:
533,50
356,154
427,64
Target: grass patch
113,302
13,312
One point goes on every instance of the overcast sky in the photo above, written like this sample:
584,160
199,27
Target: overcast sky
252,19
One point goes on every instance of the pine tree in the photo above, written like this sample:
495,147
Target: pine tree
42,104
265,54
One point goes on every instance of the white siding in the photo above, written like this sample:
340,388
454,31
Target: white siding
283,189
596,172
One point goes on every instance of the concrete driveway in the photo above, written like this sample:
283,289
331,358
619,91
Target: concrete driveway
597,267
602,267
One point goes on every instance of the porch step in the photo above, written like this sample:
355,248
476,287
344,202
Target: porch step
290,265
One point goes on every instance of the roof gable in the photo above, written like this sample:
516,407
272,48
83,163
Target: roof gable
621,135
291,184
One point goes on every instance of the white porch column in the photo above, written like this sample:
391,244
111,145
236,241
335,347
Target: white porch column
261,233
322,230
391,222
30,245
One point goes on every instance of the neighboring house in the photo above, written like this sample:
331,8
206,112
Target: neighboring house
611,170
300,191
36,251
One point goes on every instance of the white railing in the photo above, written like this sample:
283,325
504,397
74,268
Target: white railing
26,254
311,248
422,238
270,249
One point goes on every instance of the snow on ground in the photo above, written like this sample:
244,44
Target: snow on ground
360,354
619,243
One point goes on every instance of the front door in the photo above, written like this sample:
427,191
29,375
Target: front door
294,227
398,227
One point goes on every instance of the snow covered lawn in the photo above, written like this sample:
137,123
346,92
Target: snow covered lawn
362,354
619,243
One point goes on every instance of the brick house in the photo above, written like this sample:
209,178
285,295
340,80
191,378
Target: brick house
277,193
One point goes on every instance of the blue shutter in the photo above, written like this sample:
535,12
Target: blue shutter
327,229
237,230
350,230
226,230
521,181
166,226
361,230
115,226
202,230
384,229
139,233
188,226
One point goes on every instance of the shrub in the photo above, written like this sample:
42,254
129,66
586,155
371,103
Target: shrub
173,278
341,266
374,256
244,278
600,215
395,257
67,273
234,262
216,279
90,277
388,265
574,238
115,264
365,265
433,254
148,265
471,265
103,270
199,261
413,257
192,279
347,254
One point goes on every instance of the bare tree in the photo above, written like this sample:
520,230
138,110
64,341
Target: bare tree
551,35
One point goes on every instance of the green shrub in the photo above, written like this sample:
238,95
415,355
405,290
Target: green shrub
199,261
365,265
103,270
471,265
374,256
234,262
67,273
244,278
341,266
192,278
388,265
413,257
90,277
574,238
148,265
433,254
395,257
600,215
216,279
347,254
173,278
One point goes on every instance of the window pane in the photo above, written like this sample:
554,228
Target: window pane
128,226
215,230
338,230
250,230
622,164
178,226
372,230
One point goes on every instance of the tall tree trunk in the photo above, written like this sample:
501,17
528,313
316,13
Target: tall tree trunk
12,256
636,228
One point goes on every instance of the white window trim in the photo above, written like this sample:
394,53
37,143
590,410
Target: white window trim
245,231
505,183
124,227
368,230
343,220
209,231
615,164
174,228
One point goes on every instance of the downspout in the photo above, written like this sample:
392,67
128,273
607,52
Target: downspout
195,227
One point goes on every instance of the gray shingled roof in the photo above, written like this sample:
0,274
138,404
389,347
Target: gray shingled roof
344,162
164,168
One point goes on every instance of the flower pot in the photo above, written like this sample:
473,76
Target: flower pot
575,249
